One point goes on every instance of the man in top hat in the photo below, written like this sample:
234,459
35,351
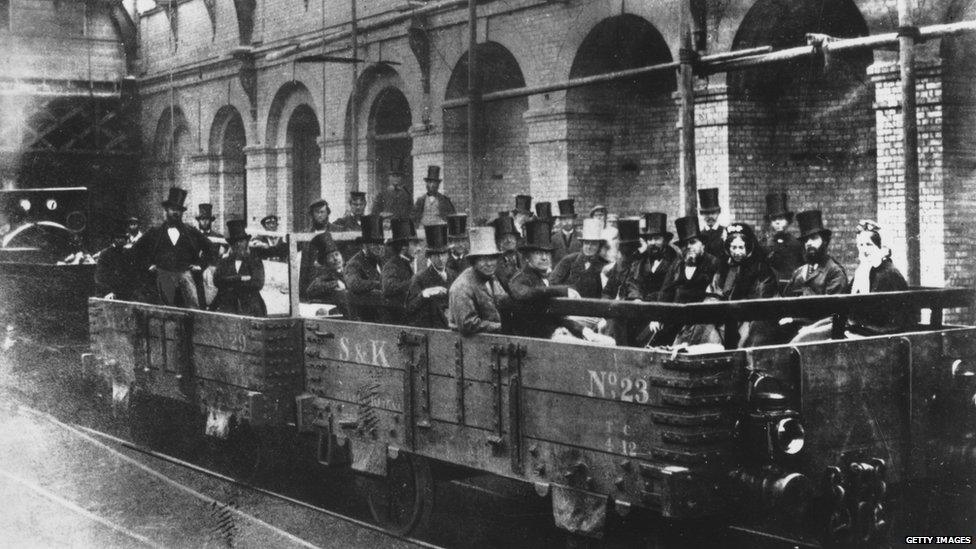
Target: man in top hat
133,231
395,199
432,208
655,261
362,274
457,239
357,209
426,301
328,285
565,237
522,212
315,250
398,270
204,280
820,274
689,277
266,246
475,295
784,251
713,235
581,270
599,212
239,276
618,274
507,240
205,219
174,250
116,273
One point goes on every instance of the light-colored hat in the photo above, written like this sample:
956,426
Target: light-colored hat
482,241
592,229
609,234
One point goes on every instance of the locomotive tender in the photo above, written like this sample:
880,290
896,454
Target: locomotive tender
798,443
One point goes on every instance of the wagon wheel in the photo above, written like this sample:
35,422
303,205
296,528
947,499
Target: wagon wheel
401,502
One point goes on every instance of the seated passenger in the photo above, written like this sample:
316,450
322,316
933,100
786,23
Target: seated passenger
327,285
474,296
654,262
362,273
507,237
457,236
820,275
623,251
398,270
426,302
239,277
581,270
116,274
875,273
272,248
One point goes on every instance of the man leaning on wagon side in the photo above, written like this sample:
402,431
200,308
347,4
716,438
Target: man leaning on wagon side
426,303
474,297
820,275
397,272
362,274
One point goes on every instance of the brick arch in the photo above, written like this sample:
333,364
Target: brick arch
501,149
293,133
289,97
800,127
228,181
172,148
621,135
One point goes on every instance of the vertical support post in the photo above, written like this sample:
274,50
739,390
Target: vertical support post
474,96
353,103
688,199
294,273
907,34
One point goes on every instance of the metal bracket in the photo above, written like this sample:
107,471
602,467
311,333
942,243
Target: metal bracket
512,355
416,384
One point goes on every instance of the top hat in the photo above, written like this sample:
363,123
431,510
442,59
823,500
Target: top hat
205,211
708,201
236,230
567,207
176,198
811,223
656,224
403,230
543,210
592,228
776,207
433,173
396,166
436,236
598,208
268,218
505,213
482,242
523,203
317,204
357,195
628,230
457,225
372,229
687,228
504,226
538,236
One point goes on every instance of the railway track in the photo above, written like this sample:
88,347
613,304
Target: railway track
233,506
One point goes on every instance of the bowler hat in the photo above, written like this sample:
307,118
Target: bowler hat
482,242
687,228
811,223
708,201
457,225
175,200
205,211
656,224
628,230
403,230
269,218
592,229
543,210
433,173
236,230
776,207
504,226
538,236
567,207
436,236
523,203
372,229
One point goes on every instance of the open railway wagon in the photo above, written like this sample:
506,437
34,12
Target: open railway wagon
801,444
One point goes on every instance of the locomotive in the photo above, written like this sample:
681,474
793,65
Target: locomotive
802,444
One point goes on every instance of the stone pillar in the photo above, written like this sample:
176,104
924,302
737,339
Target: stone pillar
549,177
335,180
262,181
203,182
891,184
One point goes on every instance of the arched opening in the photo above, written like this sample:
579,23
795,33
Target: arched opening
302,132
622,143
501,144
172,149
389,139
229,182
800,127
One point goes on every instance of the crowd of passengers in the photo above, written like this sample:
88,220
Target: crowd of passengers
484,278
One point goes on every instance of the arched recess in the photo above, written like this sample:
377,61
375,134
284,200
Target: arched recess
800,127
294,129
229,183
622,145
384,119
501,144
171,151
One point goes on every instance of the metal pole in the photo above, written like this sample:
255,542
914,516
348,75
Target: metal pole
688,199
353,100
474,97
906,60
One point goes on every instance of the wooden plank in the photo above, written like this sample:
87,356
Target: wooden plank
353,342
244,370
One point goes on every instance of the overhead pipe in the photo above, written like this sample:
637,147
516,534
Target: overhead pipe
907,33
